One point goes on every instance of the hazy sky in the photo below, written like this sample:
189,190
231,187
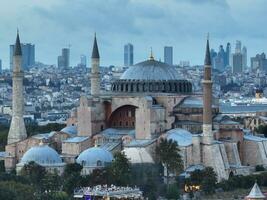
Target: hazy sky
53,24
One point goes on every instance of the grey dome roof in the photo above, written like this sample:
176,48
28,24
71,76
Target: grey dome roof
42,155
71,130
181,136
151,70
94,157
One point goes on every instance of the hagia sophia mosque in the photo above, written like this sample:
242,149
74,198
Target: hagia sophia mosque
148,102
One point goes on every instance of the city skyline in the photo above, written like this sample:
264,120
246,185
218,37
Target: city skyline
145,24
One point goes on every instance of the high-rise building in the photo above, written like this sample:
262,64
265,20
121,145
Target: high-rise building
83,61
237,63
168,55
28,55
128,55
63,61
259,62
228,53
244,57
0,66
238,46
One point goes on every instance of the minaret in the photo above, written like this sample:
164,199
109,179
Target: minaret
95,74
207,99
17,131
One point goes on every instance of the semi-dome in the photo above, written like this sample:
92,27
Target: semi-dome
151,70
151,76
42,155
94,157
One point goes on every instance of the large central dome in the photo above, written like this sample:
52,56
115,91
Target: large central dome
151,76
151,70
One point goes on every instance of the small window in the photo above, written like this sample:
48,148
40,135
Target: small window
83,162
99,163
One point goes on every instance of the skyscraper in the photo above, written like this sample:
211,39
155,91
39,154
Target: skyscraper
28,55
168,55
63,61
238,46
128,55
0,66
259,62
228,54
83,61
237,63
244,57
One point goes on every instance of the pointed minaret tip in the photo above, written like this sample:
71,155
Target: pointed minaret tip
95,52
17,51
207,56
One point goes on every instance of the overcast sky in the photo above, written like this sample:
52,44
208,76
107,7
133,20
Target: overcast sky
183,24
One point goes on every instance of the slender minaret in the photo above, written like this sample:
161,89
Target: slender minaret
17,131
95,74
207,99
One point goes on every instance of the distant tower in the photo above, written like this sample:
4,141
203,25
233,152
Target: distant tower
128,55
228,54
244,57
168,55
207,99
17,131
95,74
238,46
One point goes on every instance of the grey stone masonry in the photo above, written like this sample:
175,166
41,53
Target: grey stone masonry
17,131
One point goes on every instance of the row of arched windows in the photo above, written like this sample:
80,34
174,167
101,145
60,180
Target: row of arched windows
164,86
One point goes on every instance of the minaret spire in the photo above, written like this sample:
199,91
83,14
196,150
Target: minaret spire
207,98
207,56
95,52
17,131
95,74
17,51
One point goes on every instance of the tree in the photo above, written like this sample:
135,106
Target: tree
206,178
209,181
120,169
262,129
173,192
33,172
72,168
72,177
20,191
168,154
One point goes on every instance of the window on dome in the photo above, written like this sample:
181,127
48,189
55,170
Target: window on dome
99,163
83,162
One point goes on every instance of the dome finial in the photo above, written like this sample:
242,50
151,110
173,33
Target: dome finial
151,54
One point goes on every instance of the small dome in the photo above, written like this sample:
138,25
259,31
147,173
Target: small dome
138,155
94,157
181,136
151,70
71,130
42,155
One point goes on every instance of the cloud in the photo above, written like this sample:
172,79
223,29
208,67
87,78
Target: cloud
184,24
